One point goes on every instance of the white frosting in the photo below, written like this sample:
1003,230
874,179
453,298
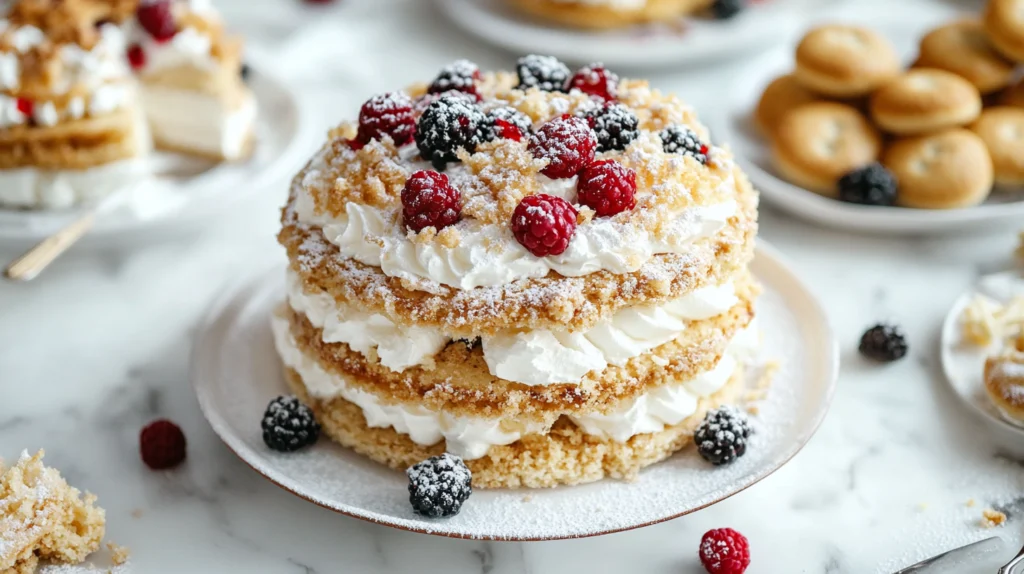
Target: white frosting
10,71
189,47
91,68
24,38
110,97
199,122
45,114
10,115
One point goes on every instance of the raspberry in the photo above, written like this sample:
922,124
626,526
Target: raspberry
289,425
869,185
567,143
136,56
724,551
162,445
883,343
446,125
505,122
607,187
682,140
596,81
722,436
543,72
429,200
157,19
544,224
615,125
459,76
24,106
386,114
439,486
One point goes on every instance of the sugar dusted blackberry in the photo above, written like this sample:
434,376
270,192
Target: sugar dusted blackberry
884,343
505,122
616,126
460,76
722,437
725,9
870,185
682,140
546,73
289,425
448,123
439,486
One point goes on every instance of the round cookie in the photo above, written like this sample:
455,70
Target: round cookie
943,170
783,94
1004,23
845,61
1002,130
816,144
963,48
1014,95
925,100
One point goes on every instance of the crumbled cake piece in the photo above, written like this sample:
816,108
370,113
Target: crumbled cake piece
985,320
970,503
118,554
991,518
43,518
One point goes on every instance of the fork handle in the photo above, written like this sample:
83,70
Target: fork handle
1012,564
26,267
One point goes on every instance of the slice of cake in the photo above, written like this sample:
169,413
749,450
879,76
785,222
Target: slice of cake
543,273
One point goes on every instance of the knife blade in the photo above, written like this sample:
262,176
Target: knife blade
962,556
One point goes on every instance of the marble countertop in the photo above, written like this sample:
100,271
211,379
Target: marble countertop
99,346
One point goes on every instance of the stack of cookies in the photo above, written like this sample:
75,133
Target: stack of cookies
542,272
850,123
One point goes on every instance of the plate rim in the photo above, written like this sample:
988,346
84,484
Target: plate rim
830,366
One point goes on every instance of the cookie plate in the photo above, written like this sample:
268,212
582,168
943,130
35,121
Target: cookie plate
686,41
235,373
733,123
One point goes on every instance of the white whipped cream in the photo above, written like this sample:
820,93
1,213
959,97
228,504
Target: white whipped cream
24,38
10,71
189,47
198,122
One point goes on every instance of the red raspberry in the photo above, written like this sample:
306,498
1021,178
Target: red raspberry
24,106
390,114
157,19
429,200
136,56
507,130
567,143
596,81
724,551
608,187
162,445
544,224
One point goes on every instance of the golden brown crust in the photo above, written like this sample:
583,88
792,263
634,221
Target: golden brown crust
781,96
1004,23
963,48
944,170
1014,95
597,17
1005,389
925,100
75,144
565,455
845,61
1002,130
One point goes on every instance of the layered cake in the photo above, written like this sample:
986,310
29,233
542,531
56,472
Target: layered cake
544,273
88,86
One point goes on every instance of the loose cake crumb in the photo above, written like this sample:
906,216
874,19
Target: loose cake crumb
970,503
984,320
118,554
991,518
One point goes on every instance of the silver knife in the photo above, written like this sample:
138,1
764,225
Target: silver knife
963,556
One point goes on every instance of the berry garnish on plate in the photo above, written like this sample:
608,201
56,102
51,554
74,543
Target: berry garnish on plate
459,76
870,185
505,123
567,143
387,114
544,224
596,81
448,123
725,9
607,187
724,551
884,343
157,19
722,436
162,445
615,125
546,73
245,71
289,425
439,486
430,200
682,140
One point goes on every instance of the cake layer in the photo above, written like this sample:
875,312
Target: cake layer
200,123
607,14
566,454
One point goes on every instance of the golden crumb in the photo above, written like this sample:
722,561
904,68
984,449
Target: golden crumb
138,513
1019,253
753,410
984,320
449,237
506,172
970,503
119,554
527,498
992,518
416,89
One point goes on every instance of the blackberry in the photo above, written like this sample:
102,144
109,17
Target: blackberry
682,140
448,123
722,437
439,485
245,71
460,76
546,73
883,343
869,185
615,126
499,123
288,425
725,9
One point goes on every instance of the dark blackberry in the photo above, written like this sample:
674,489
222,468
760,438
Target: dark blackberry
439,485
615,126
245,71
543,72
448,123
682,140
289,425
870,185
460,76
722,437
883,343
725,9
500,122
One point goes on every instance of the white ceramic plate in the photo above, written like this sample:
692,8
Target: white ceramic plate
158,204
689,41
235,372
964,363
733,124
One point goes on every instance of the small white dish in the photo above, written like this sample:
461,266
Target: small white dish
964,363
235,372
733,123
688,41
154,206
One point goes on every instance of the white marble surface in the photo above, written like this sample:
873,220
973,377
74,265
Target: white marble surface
99,346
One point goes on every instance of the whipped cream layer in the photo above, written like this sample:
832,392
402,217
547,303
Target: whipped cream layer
188,48
535,357
198,122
